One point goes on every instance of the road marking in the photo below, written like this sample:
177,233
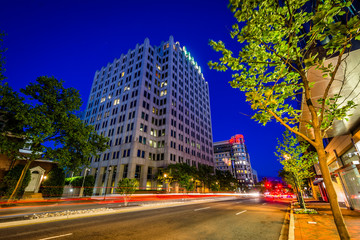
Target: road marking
241,212
201,208
58,236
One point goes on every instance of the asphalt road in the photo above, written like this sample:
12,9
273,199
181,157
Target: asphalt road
235,219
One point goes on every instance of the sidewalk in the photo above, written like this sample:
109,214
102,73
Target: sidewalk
321,226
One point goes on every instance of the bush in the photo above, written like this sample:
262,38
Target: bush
305,211
53,186
8,183
77,182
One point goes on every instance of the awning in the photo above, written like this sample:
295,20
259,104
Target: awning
317,181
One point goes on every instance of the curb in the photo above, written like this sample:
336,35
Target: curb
291,224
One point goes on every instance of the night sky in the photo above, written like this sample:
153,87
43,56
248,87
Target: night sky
70,40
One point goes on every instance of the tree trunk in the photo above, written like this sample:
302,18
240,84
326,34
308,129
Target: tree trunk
314,192
338,218
13,161
302,199
300,196
19,182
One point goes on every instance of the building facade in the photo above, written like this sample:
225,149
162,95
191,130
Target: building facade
342,141
232,155
153,104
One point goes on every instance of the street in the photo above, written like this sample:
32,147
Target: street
234,219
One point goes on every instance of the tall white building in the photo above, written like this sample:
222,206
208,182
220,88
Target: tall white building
232,155
153,104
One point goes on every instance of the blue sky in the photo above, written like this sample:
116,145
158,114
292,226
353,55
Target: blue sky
70,40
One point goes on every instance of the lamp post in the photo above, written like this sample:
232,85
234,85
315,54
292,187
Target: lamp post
107,181
82,186
166,183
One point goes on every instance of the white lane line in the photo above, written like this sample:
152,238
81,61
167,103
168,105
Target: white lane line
58,236
241,212
201,208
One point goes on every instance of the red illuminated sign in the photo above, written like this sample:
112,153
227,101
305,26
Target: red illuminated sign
238,138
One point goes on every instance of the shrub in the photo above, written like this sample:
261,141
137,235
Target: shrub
77,182
9,182
53,186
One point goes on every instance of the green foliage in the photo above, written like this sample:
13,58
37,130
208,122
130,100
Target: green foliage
127,186
305,211
287,177
44,119
279,44
77,182
295,158
182,173
297,161
48,124
187,176
53,186
224,181
280,41
8,183
205,175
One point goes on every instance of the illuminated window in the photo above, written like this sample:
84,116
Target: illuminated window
116,101
126,88
102,99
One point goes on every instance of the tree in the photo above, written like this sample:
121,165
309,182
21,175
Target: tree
205,175
297,162
224,181
181,173
280,42
53,186
44,119
127,187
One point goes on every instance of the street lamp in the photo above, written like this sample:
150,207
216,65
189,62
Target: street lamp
166,183
109,170
82,186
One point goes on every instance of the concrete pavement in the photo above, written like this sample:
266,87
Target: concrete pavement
321,226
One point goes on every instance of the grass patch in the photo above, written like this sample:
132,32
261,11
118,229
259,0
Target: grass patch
305,211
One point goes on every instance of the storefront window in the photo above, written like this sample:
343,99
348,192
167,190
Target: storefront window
350,156
352,183
351,176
